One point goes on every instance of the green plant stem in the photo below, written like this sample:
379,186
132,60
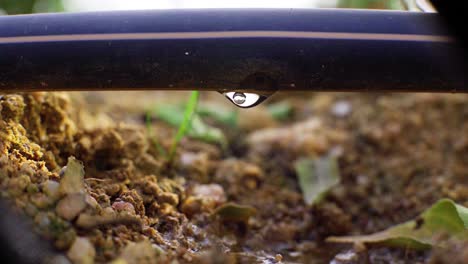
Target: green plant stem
190,109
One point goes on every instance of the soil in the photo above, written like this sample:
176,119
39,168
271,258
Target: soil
397,154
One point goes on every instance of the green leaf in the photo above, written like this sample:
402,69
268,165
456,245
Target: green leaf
177,117
171,114
463,214
204,132
280,111
188,122
391,4
218,113
316,176
443,218
234,212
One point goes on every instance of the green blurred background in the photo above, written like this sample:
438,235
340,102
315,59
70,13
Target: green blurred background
31,6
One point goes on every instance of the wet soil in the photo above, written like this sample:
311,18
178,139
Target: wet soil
397,154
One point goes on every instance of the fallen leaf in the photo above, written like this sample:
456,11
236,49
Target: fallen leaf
280,110
316,176
72,180
433,227
234,212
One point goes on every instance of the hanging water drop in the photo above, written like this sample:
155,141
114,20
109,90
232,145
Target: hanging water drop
244,99
239,98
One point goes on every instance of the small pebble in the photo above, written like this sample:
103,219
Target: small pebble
30,209
58,259
70,207
341,108
42,220
345,257
17,185
41,201
121,206
81,251
92,202
278,257
139,253
211,191
51,189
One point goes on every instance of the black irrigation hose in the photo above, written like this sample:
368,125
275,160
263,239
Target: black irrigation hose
227,50
316,50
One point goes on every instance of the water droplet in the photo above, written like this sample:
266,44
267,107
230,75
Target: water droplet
244,99
239,98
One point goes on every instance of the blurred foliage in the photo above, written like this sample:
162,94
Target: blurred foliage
316,176
280,111
188,121
44,6
181,117
442,222
232,212
185,124
12,7
219,113
371,4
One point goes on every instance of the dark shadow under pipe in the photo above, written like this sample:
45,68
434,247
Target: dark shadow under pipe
235,49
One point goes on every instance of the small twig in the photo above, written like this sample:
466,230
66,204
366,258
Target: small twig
87,221
96,179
